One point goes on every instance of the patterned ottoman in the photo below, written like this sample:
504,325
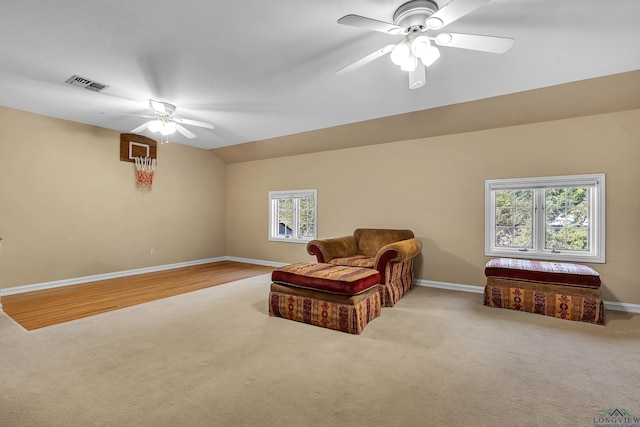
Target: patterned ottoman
336,297
563,290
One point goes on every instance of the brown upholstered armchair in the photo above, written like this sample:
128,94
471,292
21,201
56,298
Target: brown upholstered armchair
391,252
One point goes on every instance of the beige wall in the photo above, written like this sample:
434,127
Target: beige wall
69,207
435,186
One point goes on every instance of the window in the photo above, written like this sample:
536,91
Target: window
556,218
292,215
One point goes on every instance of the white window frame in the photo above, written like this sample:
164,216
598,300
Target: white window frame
597,223
296,195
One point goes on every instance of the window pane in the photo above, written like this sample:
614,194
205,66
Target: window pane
306,230
580,216
285,217
306,218
566,217
555,238
504,198
504,216
577,196
514,218
577,239
523,218
504,236
285,204
523,238
555,216
523,198
555,196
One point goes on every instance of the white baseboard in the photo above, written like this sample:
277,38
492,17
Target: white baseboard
450,286
621,306
255,261
616,306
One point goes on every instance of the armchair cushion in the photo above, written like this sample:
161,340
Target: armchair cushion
371,240
355,261
328,278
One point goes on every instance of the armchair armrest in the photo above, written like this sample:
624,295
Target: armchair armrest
327,249
397,252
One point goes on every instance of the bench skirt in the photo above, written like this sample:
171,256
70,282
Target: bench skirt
565,302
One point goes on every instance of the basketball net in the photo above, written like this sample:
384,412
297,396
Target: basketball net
145,166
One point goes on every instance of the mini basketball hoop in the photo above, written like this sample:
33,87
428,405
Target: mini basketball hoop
145,166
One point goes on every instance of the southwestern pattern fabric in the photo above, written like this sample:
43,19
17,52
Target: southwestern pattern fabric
567,306
543,271
354,261
340,317
327,277
398,281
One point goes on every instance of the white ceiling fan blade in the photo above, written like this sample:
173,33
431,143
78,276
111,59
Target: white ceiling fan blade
193,123
418,77
141,127
370,24
490,44
184,131
452,11
136,115
363,61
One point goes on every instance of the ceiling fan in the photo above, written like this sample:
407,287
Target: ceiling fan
166,123
417,51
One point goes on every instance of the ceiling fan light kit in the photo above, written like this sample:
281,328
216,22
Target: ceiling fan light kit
165,127
168,128
431,56
164,122
420,46
407,53
410,64
416,52
401,53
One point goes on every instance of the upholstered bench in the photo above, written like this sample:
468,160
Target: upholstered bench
563,290
342,298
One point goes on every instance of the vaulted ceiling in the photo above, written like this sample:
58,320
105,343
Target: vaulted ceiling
262,69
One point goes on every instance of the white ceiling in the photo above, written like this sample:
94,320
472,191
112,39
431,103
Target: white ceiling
260,69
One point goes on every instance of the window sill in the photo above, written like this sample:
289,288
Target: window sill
290,240
547,256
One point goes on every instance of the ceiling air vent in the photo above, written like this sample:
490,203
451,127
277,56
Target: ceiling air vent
85,83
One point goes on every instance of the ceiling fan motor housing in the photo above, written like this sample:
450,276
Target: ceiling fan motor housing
414,14
162,108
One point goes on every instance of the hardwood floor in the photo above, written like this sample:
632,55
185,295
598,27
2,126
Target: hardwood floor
38,309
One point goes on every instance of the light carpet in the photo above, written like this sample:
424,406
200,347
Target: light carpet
215,358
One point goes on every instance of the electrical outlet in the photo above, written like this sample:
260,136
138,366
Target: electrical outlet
152,251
